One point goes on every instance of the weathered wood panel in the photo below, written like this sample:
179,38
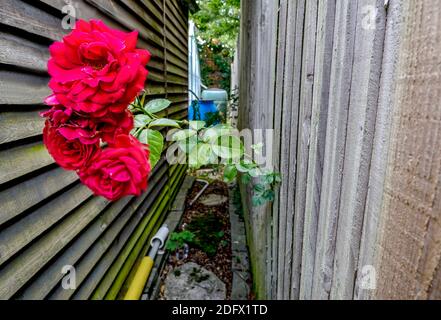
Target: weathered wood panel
410,247
47,218
356,115
369,242
367,62
322,74
258,93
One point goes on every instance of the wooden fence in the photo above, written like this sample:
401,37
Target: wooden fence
48,220
352,90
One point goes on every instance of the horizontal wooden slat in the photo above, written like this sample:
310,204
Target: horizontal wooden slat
83,267
20,15
21,88
115,11
21,233
48,219
19,52
96,275
20,125
22,160
151,8
172,13
20,270
87,11
47,280
15,200
147,17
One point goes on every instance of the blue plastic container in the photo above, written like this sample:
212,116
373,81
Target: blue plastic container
198,109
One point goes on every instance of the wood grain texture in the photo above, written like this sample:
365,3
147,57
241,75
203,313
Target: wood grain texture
19,161
257,93
19,52
410,249
319,116
341,71
47,218
282,48
13,85
20,125
356,116
369,241
290,117
303,144
366,70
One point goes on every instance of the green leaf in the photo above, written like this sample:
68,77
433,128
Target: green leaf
256,172
172,246
155,140
157,105
212,134
141,120
230,173
183,135
200,156
197,125
246,178
164,123
277,178
258,201
244,166
269,195
228,147
259,188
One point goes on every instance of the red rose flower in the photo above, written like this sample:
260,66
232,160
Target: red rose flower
89,130
120,170
96,70
70,124
69,153
115,124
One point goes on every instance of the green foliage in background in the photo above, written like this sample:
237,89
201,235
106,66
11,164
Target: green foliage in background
218,22
215,66
208,233
217,145
179,239
204,232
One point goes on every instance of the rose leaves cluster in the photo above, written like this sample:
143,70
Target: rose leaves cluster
96,72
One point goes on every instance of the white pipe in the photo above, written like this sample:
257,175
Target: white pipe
200,192
161,236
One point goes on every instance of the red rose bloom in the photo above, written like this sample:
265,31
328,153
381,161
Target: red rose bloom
115,124
69,153
89,130
120,170
70,124
96,70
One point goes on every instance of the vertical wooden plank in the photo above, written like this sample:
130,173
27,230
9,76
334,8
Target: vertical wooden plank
266,41
366,72
304,132
258,56
377,171
290,116
344,37
282,44
322,73
410,250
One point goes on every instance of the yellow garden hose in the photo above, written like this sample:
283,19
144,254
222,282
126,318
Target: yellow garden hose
145,267
142,274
